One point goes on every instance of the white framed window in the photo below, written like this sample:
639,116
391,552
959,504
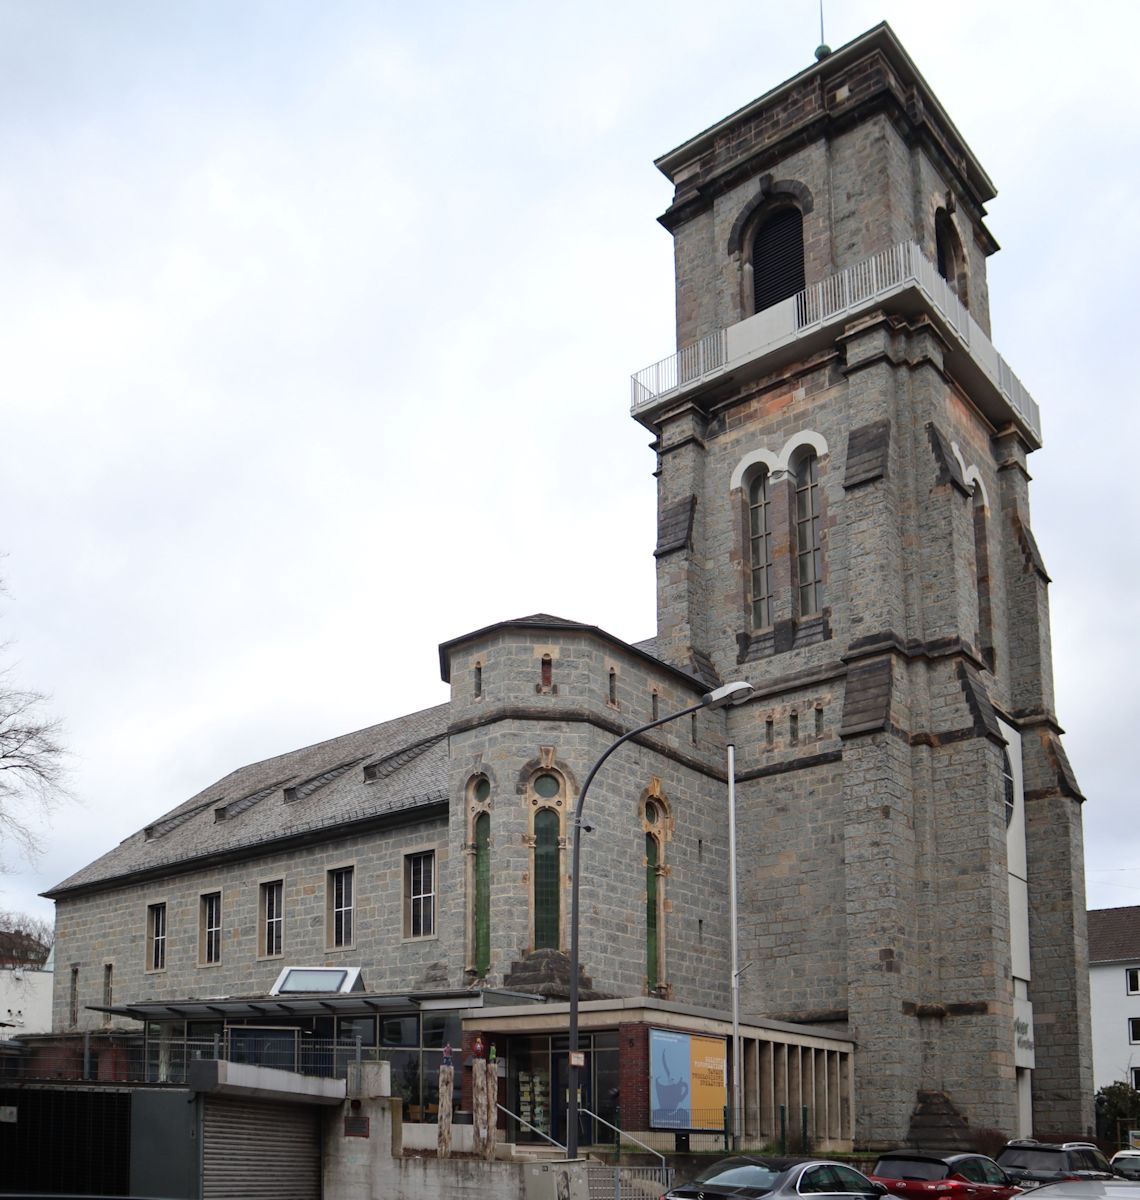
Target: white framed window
419,894
1132,980
156,937
1135,1072
1134,1030
272,918
340,888
210,929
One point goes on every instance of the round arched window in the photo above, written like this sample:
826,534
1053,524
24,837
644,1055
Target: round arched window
482,791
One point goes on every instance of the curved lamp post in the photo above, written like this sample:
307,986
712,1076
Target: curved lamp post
721,697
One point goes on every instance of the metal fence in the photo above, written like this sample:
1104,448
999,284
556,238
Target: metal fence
627,1183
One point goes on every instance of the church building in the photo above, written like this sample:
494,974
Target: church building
841,457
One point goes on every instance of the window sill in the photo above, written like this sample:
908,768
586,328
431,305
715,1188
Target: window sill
332,949
791,633
422,937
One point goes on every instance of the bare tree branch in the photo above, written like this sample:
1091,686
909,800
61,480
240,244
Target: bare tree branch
32,765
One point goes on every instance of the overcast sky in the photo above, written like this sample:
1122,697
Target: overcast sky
316,329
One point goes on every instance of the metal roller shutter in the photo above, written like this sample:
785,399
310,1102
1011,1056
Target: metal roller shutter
259,1150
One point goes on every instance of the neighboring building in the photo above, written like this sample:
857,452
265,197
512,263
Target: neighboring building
1114,986
844,521
25,988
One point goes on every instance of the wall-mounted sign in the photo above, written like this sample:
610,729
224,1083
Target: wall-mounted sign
578,1058
688,1080
1023,1055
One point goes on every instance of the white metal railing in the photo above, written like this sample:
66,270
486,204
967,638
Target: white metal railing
835,297
533,1128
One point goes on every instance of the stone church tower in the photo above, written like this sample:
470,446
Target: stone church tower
844,521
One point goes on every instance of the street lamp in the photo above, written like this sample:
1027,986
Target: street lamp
721,697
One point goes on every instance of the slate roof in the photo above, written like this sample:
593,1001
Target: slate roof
372,774
1114,934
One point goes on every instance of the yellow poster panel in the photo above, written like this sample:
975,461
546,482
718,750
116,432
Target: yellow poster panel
709,1084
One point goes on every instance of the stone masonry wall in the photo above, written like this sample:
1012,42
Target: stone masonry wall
111,926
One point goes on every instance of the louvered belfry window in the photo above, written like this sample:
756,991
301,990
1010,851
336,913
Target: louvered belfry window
778,258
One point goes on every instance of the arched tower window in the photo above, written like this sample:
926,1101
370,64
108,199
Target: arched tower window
547,879
809,555
1009,792
948,255
760,549
778,257
982,578
482,894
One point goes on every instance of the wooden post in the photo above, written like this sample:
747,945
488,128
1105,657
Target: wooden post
492,1105
479,1104
446,1087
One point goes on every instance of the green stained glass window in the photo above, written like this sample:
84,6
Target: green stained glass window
547,786
651,850
547,890
482,893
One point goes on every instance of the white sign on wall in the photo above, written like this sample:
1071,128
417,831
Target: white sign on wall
1023,1055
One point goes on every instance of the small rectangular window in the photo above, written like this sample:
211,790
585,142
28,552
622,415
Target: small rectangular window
210,929
1136,1078
1132,980
156,937
340,890
1134,1029
419,894
272,919
73,998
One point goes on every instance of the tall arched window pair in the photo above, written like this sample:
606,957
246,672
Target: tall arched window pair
803,536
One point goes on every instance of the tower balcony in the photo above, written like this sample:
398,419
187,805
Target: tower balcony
899,280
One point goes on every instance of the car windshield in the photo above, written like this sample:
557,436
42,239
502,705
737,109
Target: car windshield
1128,1167
738,1172
910,1168
1031,1160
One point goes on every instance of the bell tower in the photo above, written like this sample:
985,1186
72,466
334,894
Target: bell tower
843,518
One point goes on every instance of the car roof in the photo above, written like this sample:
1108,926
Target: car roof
943,1156
1090,1189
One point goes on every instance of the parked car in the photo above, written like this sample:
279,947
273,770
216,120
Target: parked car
1126,1163
1030,1163
1089,1189
747,1175
921,1174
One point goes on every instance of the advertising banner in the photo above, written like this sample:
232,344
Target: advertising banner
688,1081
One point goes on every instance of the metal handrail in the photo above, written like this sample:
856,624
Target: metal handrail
622,1133
533,1128
830,299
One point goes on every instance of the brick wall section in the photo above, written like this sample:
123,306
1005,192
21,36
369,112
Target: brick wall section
633,1075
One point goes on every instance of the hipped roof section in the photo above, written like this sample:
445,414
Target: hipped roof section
385,774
